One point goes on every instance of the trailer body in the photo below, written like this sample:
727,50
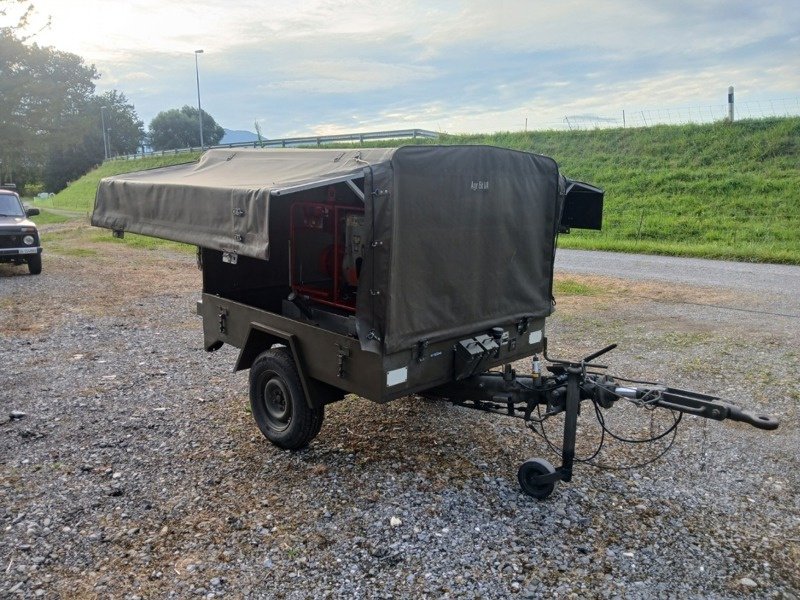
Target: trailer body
445,243
385,272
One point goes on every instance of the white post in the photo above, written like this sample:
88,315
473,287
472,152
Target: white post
199,109
105,133
730,104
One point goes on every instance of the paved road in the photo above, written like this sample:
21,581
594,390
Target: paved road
777,287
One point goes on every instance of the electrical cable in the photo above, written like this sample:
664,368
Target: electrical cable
625,379
605,430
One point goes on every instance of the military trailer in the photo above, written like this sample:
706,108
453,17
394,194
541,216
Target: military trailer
385,272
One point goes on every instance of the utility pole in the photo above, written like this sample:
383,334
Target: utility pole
199,109
105,138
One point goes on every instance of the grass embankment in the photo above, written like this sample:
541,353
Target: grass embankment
722,190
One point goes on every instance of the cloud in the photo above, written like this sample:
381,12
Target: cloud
324,66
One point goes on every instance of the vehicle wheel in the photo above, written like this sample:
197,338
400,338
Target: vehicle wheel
35,264
527,474
319,416
278,402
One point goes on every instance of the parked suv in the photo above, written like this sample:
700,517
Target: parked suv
19,238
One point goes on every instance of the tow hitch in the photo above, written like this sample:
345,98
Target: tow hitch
570,384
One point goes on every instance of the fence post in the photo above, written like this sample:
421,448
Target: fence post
730,104
639,231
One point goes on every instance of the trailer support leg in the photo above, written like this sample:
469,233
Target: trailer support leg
571,421
537,477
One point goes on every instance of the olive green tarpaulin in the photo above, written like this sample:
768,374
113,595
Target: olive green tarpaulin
461,237
221,201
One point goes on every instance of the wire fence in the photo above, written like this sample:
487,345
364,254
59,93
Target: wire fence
647,117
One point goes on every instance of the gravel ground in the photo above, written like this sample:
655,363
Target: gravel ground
136,470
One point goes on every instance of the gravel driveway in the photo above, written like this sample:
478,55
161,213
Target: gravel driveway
136,470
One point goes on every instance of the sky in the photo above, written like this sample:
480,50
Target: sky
303,67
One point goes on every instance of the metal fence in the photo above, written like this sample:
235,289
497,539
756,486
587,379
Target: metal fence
681,115
312,140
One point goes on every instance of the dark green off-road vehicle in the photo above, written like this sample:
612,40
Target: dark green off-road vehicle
387,273
19,238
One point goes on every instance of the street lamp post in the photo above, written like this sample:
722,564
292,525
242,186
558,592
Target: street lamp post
105,139
199,109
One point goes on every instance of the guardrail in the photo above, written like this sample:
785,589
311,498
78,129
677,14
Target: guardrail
310,140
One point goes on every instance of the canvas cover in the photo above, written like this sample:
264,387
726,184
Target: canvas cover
222,201
465,241
461,237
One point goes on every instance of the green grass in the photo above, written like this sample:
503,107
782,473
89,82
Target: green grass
79,252
143,242
570,287
45,217
726,191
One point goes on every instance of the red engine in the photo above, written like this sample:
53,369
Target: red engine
327,251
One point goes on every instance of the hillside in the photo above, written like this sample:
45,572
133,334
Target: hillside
237,136
721,191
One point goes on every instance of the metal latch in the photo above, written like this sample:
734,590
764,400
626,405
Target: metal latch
230,258
422,349
238,212
522,326
223,319
342,355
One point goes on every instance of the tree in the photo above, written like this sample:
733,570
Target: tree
80,146
125,128
179,128
41,90
16,16
50,123
50,119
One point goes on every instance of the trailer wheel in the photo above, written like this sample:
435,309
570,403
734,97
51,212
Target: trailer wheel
528,473
278,403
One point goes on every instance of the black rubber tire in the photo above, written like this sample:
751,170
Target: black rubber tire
278,403
319,417
527,474
35,264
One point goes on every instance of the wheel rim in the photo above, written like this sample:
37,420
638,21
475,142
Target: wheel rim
277,402
530,476
527,475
